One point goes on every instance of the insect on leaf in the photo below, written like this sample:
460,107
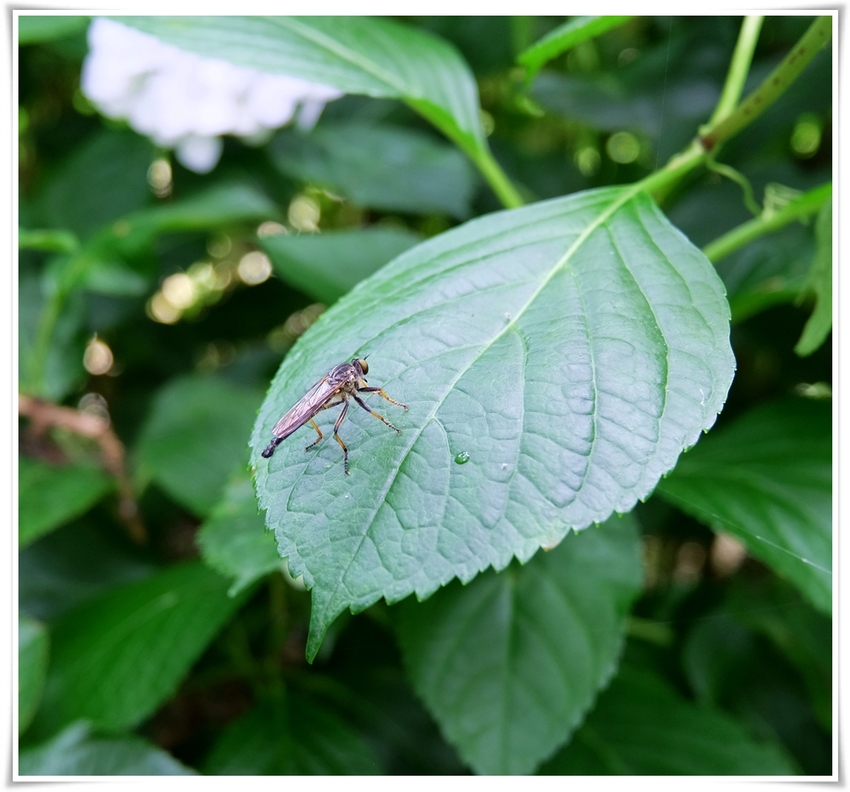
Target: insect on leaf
556,360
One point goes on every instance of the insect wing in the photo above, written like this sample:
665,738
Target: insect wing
305,408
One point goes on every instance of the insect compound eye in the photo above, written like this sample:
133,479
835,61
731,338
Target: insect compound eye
364,366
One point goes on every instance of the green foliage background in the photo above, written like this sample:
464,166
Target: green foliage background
176,640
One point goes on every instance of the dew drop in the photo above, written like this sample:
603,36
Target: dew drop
462,458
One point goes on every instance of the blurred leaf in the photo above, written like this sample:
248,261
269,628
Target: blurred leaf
388,168
33,651
50,495
222,204
565,37
102,180
73,565
291,735
53,241
63,367
115,278
234,540
325,266
772,609
556,360
195,434
768,271
730,665
819,283
641,726
665,104
510,663
767,479
76,752
359,55
218,204
716,656
116,659
37,29
612,106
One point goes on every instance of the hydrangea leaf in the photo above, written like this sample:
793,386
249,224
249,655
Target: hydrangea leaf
642,726
359,55
510,664
556,360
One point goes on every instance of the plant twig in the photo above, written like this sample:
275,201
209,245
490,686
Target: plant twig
772,88
806,205
45,415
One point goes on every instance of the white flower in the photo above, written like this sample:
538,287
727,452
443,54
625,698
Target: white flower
185,101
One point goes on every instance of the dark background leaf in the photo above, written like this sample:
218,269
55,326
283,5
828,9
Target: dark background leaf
768,480
509,664
380,166
193,438
640,711
328,265
168,618
292,735
50,495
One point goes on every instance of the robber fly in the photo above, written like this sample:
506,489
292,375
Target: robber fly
341,383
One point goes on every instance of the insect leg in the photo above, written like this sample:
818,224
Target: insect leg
372,412
338,423
318,439
369,389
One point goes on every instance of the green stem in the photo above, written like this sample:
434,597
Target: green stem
739,68
805,206
496,178
772,88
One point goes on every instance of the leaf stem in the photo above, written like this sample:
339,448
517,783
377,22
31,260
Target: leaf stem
496,177
721,128
739,67
806,205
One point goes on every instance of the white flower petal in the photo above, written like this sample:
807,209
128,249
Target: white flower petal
182,99
199,154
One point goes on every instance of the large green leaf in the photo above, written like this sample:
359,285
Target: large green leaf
50,495
359,55
329,264
234,539
767,479
193,438
292,735
116,659
77,752
510,663
556,360
641,726
33,645
379,166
